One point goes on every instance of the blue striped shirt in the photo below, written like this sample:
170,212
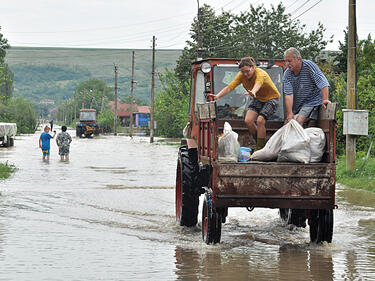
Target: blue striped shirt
306,87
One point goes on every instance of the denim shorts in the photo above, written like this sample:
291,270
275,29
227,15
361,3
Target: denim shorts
309,112
264,108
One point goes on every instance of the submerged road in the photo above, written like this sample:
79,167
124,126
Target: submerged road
108,214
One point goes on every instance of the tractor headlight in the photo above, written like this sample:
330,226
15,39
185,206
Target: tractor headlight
205,67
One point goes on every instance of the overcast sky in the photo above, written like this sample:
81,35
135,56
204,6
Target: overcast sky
131,24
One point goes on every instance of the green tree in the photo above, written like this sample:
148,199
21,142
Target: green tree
106,121
6,83
258,32
92,93
6,75
20,111
171,106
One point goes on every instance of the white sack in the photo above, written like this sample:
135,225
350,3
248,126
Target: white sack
295,144
270,151
228,144
317,143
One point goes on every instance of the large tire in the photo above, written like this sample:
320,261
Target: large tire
11,141
296,217
187,200
321,226
78,132
211,221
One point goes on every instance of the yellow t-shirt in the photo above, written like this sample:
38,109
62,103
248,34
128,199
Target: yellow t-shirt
267,91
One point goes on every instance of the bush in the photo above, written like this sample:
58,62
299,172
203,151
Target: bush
21,112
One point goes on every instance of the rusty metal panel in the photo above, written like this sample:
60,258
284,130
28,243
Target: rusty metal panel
286,181
203,111
207,110
328,113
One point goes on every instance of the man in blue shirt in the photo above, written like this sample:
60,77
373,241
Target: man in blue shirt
305,88
44,142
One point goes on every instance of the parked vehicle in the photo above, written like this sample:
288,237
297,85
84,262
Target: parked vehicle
7,133
300,191
87,125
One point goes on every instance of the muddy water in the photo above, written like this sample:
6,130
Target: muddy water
108,214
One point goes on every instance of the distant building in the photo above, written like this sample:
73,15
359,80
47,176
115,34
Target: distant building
46,101
141,114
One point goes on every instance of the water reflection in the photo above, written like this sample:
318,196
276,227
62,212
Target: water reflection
108,214
289,263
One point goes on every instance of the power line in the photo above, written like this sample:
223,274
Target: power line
292,4
296,10
307,10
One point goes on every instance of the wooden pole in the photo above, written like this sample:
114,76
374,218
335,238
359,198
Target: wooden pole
132,97
152,91
351,83
115,113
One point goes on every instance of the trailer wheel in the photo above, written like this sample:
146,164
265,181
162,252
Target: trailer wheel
11,141
321,226
78,132
187,200
211,222
296,217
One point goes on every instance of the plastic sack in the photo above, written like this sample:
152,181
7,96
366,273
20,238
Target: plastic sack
244,154
317,143
228,144
270,151
295,144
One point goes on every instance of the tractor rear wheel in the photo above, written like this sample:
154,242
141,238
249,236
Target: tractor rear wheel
187,200
211,221
296,217
321,226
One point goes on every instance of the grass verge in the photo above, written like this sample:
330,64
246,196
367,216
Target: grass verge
359,178
6,170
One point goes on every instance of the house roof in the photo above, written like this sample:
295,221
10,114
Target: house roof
123,109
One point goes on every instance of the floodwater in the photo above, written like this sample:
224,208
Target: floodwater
108,214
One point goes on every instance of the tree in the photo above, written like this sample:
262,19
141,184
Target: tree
171,106
6,75
6,83
20,111
259,32
3,46
106,121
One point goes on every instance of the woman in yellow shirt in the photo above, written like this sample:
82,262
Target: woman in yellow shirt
259,85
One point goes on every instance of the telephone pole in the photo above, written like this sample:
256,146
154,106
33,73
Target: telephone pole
132,97
199,35
102,106
115,113
152,91
83,99
351,82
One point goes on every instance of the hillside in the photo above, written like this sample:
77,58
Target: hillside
53,73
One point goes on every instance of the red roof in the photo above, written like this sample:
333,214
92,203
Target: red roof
123,109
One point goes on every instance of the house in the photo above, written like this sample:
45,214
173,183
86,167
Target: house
141,114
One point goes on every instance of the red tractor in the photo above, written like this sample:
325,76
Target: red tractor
300,191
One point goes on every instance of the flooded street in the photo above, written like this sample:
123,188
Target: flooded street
108,214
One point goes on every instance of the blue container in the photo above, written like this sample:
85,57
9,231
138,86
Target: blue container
244,154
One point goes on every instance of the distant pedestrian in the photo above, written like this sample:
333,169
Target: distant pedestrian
51,123
63,141
44,142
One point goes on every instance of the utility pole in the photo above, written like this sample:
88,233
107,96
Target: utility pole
115,113
132,97
152,91
199,35
102,106
351,82
83,98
